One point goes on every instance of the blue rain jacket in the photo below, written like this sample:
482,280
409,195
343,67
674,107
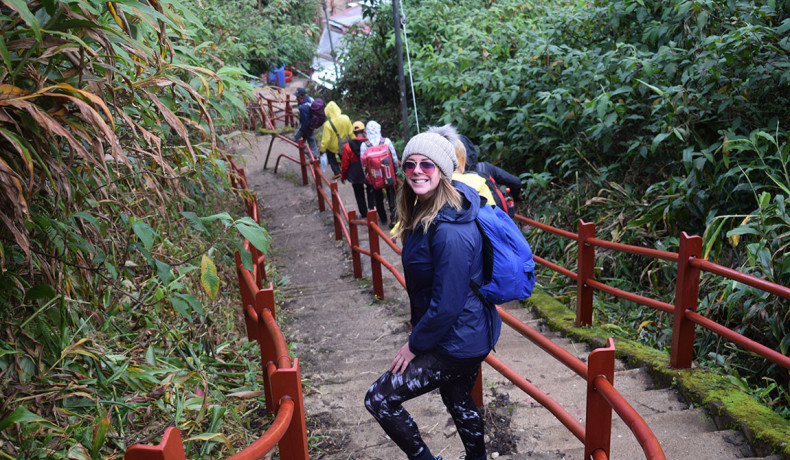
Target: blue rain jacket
446,314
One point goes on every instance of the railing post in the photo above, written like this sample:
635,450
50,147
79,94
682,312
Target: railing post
356,259
598,423
288,383
336,211
585,270
375,265
264,300
318,184
247,298
271,111
477,390
686,298
289,120
303,161
170,448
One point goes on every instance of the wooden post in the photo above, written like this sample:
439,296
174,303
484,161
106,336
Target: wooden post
585,270
598,423
686,298
477,390
302,161
356,259
375,265
288,383
336,211
318,184
264,300
170,448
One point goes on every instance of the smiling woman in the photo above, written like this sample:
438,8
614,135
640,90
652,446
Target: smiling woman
453,329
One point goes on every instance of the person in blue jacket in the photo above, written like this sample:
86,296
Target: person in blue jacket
453,329
305,131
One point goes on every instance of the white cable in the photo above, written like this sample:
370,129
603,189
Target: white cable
408,60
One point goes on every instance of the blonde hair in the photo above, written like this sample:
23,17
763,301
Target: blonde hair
410,219
460,153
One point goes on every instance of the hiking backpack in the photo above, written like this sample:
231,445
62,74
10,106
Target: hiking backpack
508,268
341,142
317,115
377,163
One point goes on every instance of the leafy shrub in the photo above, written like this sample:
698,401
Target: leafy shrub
260,38
650,118
109,153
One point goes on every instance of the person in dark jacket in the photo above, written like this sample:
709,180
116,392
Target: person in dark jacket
305,131
486,169
453,328
351,168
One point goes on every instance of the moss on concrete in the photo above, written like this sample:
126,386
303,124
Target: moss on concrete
729,408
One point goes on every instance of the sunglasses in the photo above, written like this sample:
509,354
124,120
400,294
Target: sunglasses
426,167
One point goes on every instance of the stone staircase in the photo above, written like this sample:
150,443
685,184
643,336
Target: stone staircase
345,338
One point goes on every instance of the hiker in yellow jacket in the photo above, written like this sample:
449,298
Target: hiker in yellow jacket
337,128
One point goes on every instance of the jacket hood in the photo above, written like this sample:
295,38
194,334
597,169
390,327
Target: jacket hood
373,131
469,208
332,110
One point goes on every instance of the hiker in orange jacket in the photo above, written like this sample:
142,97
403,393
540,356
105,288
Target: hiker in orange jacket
351,168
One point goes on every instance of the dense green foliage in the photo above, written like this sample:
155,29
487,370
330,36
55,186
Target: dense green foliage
113,249
260,39
646,117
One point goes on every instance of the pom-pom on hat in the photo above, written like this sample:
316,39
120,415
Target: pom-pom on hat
436,148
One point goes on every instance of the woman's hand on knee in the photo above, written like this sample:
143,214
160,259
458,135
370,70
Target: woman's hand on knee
402,359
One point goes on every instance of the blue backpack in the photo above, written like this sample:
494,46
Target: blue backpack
508,268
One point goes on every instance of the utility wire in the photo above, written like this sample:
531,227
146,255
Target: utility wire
408,60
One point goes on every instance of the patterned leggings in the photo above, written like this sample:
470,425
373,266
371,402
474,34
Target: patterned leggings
425,373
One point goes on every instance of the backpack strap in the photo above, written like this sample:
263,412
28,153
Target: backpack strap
333,128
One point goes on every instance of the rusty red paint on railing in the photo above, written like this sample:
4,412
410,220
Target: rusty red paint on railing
648,440
266,443
542,398
573,363
745,342
657,304
749,280
648,252
555,267
170,448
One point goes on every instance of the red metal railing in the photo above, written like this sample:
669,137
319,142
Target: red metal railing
599,374
689,265
282,380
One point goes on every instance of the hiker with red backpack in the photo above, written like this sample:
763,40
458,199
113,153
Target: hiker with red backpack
351,168
306,124
380,162
336,130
